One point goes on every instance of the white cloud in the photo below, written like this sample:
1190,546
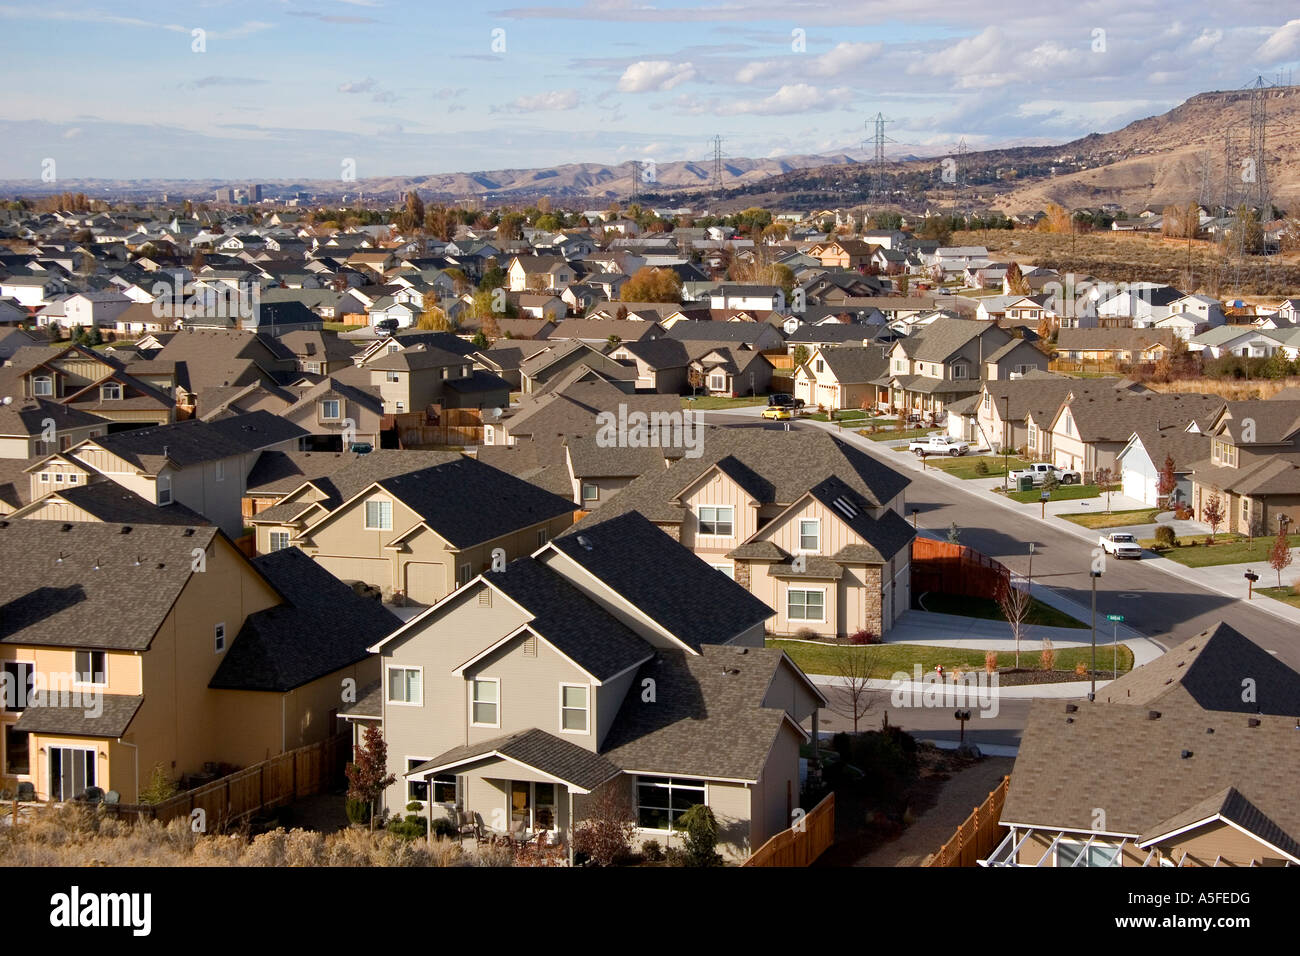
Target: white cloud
1282,45
647,75
550,101
1207,41
792,98
359,86
845,56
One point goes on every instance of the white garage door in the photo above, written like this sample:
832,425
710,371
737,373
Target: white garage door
1139,486
425,582
376,571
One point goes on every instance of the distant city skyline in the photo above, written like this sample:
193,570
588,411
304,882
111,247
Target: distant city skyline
255,92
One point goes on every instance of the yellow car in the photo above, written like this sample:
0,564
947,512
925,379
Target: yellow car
778,413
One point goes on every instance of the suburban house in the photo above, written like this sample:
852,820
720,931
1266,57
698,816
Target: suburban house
844,253
942,363
560,357
1141,461
89,382
417,533
1172,765
1254,465
730,372
418,377
1091,428
1114,346
336,416
202,465
807,523
842,376
1244,340
135,646
534,689
38,427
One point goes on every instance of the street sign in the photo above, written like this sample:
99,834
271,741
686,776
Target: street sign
1115,617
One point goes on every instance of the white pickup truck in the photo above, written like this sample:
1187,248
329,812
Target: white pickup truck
1040,470
937,445
1121,544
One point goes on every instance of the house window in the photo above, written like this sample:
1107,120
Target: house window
311,366
805,604
112,392
219,470
958,371
91,667
164,490
379,516
541,537
821,365
416,789
987,401
660,801
444,788
45,477
1033,436
42,385
17,752
393,347
72,770
391,377
573,708
717,521
279,540
485,700
810,534
17,681
717,382
329,409
72,478
404,685
728,569
219,638
401,406
464,573
590,491
1099,854
1245,511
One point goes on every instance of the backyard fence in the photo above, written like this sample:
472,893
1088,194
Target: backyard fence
801,844
450,426
272,783
978,836
942,567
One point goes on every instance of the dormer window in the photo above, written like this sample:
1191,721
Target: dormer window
110,392
959,371
42,385
810,535
329,409
164,490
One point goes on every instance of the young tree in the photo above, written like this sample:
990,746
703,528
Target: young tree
1279,558
650,284
1212,513
1166,482
1017,284
954,534
433,319
800,355
1015,603
1105,482
852,699
696,378
604,835
367,774
701,841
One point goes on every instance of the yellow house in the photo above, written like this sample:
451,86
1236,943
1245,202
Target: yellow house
130,647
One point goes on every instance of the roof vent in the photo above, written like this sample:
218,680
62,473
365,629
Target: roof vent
1186,754
1153,715
584,541
1252,721
1209,730
66,527
126,529
742,650
730,671
1071,708
189,532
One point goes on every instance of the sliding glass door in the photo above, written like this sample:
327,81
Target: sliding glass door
72,770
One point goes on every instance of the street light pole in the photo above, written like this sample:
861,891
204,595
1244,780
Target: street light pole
1092,695
1006,411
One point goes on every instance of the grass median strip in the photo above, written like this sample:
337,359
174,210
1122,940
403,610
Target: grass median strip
706,403
1227,549
987,609
1062,493
967,466
1113,519
888,659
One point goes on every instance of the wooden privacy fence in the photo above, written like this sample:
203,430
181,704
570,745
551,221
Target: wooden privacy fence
272,783
802,844
946,568
978,836
450,426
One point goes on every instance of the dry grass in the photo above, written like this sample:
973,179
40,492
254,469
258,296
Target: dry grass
81,836
1231,389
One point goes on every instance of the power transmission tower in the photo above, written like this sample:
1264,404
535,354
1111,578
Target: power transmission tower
636,180
1255,174
717,162
879,139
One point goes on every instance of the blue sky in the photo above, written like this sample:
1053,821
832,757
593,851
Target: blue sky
288,90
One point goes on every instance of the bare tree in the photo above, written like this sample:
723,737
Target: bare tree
1015,603
1105,482
854,668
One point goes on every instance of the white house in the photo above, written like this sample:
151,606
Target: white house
1242,340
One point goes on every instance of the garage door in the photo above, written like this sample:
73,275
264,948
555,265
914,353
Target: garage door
425,582
1139,486
376,571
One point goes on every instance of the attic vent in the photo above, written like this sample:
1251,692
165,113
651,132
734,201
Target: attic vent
742,651
485,597
730,671
1252,722
844,506
1153,715
530,645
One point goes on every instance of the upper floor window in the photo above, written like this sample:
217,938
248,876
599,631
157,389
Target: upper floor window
279,540
391,377
821,365
485,702
573,707
311,366
91,667
379,516
329,408
404,685
590,491
959,371
717,520
219,638
110,392
164,490
42,385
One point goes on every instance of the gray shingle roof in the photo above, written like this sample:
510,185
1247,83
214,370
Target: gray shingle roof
74,718
194,441
112,503
618,550
120,606
573,623
322,626
533,748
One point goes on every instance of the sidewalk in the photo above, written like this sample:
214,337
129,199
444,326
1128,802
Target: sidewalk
1224,579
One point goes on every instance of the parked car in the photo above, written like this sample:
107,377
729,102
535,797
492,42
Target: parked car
362,589
785,400
938,445
778,412
1041,469
1121,544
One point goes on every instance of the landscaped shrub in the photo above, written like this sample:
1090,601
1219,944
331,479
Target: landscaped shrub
1165,536
701,841
864,637
981,467
675,856
652,851
443,827
990,661
806,634
1047,657
358,811
1080,669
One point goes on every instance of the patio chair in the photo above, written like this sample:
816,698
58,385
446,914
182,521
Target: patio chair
26,791
112,797
466,824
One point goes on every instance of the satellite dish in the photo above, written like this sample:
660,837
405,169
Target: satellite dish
494,413
7,400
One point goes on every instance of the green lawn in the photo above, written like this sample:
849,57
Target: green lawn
853,416
1062,493
966,465
707,402
1227,549
894,435
988,609
1284,594
888,659
1113,519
